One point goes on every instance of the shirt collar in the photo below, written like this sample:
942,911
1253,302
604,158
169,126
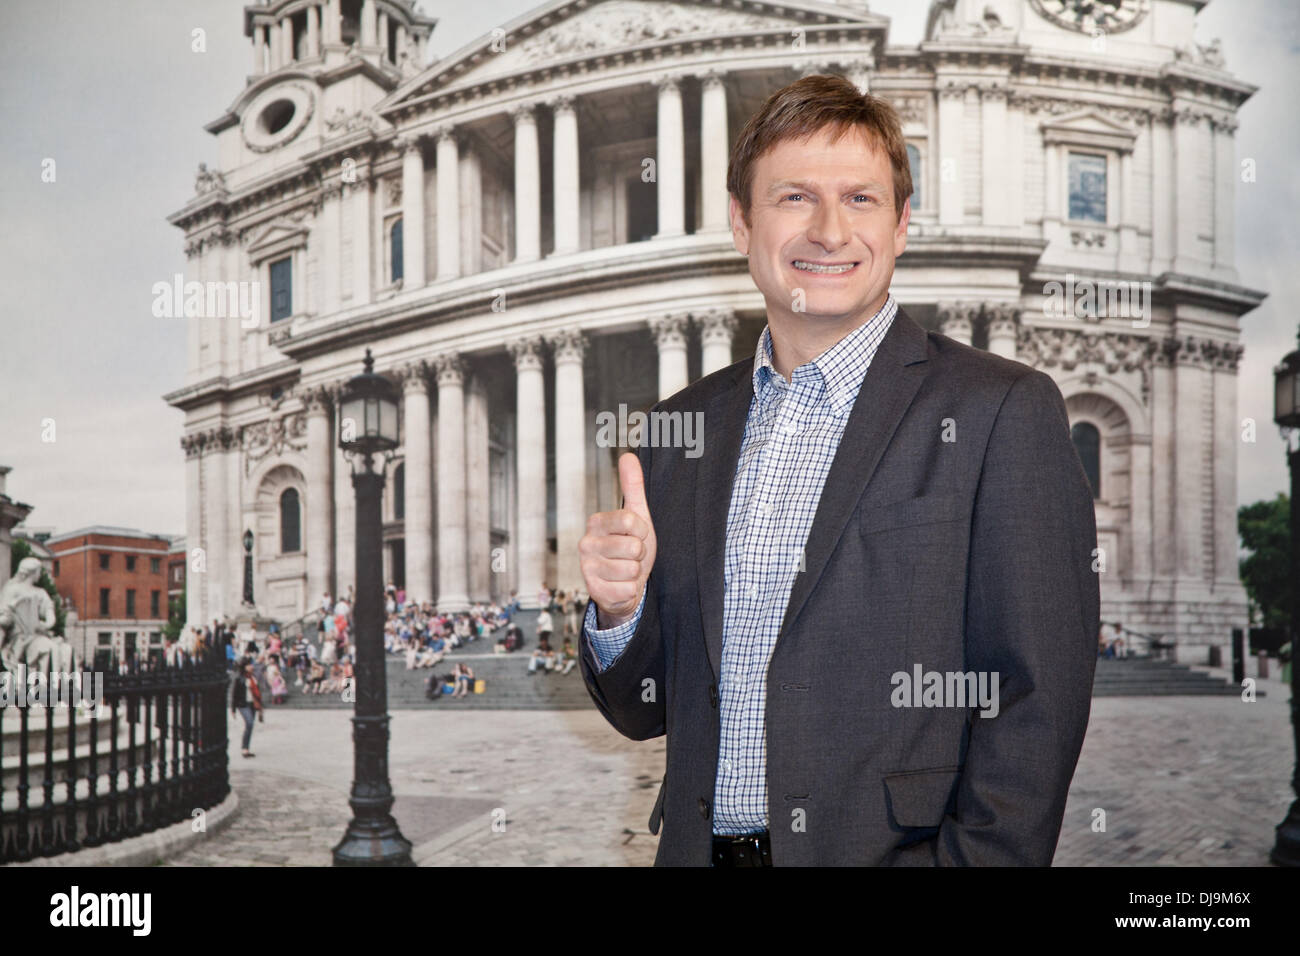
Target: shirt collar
841,367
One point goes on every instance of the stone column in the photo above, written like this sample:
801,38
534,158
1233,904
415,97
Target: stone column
1224,358
571,456
196,587
528,187
1162,198
670,161
530,464
956,321
259,49
418,531
274,46
361,237
1140,514
1003,320
952,107
1128,214
1193,456
715,146
1188,160
566,188
313,31
1163,440
320,495
717,329
286,40
478,489
330,24
368,26
994,207
448,205
412,213
453,581
383,33
670,335
1225,192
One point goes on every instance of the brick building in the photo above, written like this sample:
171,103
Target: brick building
117,581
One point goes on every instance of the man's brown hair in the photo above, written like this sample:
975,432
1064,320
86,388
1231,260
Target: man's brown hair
807,106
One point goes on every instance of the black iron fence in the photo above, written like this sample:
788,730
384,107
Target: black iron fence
152,753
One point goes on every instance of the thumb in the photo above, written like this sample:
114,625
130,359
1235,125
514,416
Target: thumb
632,483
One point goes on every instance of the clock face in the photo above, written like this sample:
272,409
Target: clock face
1093,16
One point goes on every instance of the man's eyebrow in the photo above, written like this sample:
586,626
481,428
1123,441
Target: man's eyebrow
809,187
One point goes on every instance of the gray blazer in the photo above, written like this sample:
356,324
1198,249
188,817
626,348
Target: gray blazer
965,555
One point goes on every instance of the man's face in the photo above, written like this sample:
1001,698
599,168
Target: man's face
823,233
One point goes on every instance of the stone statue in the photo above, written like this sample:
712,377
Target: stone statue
26,620
206,180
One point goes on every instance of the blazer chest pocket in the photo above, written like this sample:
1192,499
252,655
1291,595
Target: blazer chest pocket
921,798
908,512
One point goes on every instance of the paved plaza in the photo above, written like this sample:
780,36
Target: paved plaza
1183,781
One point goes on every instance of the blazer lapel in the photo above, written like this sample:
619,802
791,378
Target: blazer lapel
887,390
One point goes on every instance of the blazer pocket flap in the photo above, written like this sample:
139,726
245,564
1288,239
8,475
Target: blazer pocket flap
657,813
927,509
920,798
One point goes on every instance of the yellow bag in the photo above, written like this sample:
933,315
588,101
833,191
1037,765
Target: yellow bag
480,686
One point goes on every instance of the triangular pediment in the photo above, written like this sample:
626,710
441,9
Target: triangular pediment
277,235
573,29
1087,121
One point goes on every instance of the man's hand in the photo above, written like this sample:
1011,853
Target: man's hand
618,550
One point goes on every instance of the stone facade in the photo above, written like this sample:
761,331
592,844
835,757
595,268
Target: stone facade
534,229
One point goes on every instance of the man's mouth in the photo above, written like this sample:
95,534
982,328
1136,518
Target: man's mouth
823,268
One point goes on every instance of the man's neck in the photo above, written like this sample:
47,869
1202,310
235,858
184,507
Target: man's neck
798,338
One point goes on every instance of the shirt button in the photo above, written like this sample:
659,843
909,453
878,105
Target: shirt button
726,764
704,808
753,593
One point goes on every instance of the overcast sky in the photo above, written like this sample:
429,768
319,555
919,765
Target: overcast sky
113,94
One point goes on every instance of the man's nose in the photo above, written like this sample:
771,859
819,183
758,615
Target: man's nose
829,227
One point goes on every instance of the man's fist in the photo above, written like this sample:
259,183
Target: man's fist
618,550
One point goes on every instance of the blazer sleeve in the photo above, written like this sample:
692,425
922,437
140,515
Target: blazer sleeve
1032,614
630,692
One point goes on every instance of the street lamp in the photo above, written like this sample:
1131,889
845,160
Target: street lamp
1286,413
368,427
248,568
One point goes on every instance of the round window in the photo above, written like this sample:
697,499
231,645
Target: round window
276,116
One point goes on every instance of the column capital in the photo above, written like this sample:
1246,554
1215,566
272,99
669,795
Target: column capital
412,376
407,143
568,346
956,317
669,82
711,78
316,400
716,325
449,368
444,132
527,353
561,102
670,330
523,113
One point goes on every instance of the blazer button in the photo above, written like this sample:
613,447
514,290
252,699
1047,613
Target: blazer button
704,808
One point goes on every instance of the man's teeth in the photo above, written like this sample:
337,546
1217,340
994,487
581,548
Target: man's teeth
815,267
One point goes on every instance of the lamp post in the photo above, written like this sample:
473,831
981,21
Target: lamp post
368,427
1286,413
248,568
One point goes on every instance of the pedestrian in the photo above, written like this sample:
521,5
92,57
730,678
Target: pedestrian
245,700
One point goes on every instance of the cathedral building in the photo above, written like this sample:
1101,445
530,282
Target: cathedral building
533,230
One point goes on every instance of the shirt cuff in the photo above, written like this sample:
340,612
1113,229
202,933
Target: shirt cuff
608,644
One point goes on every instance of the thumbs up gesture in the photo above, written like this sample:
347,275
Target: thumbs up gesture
618,550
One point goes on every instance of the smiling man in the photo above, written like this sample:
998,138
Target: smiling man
865,615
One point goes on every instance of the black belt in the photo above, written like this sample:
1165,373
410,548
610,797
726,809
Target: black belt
749,849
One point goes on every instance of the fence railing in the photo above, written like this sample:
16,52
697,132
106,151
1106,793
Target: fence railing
153,752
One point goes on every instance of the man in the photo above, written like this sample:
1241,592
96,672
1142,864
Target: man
864,610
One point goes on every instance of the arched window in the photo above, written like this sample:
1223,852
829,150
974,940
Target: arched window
914,164
1087,443
290,522
395,246
399,492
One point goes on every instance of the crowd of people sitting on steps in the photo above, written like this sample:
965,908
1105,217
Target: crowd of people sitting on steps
413,631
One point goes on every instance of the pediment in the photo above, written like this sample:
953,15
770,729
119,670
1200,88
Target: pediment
276,237
574,29
1089,127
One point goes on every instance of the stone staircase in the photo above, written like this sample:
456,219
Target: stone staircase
1149,677
509,686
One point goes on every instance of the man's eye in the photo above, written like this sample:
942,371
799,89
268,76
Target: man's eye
794,196
864,196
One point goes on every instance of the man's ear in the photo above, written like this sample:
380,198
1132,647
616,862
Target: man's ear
900,234
739,231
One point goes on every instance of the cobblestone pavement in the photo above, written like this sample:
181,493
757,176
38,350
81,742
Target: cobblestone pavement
1183,781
